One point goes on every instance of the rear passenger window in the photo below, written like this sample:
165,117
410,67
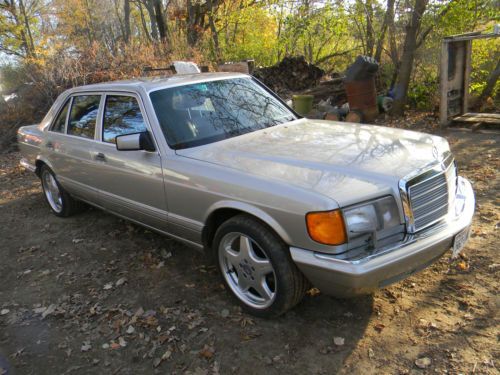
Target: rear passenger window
122,115
60,122
83,115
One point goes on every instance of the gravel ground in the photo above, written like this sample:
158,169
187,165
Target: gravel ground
93,294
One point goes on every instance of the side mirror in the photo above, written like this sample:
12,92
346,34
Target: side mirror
135,142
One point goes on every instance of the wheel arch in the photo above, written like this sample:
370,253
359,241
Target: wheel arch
223,211
39,163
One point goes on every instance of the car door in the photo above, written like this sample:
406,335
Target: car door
69,144
130,183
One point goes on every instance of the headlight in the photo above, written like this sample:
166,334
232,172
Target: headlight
372,217
367,221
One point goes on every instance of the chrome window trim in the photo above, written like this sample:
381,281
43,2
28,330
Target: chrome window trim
69,101
416,177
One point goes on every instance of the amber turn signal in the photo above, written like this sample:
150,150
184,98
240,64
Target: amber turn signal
327,227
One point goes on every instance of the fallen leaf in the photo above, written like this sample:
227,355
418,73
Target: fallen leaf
224,313
313,292
371,353
115,345
108,286
130,330
423,362
162,339
77,240
86,346
49,310
156,362
39,310
165,254
105,345
122,342
121,281
463,266
18,353
339,341
379,327
207,352
166,355
139,312
4,311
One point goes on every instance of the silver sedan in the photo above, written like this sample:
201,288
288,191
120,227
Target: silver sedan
280,202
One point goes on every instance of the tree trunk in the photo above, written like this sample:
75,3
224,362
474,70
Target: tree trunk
193,22
152,18
370,38
126,21
408,57
24,42
160,20
143,21
389,14
490,83
29,39
215,34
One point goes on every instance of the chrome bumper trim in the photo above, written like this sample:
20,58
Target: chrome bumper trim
26,165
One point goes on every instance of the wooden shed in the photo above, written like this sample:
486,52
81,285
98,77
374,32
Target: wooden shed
455,72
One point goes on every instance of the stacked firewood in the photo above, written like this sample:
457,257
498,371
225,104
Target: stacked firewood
292,74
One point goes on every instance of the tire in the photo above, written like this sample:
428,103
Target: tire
256,267
61,203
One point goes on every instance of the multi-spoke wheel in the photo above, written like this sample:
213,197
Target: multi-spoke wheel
257,268
247,270
60,202
51,190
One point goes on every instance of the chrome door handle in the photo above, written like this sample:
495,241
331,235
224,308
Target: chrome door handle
100,156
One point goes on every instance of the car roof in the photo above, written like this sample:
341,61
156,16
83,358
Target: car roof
154,83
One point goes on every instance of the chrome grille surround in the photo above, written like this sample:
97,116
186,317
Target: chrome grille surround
428,193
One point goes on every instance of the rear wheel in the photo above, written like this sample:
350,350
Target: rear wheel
256,266
59,200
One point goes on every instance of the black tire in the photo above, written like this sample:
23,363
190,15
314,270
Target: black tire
289,283
69,205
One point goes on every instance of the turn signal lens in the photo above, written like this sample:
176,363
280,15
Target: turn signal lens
327,227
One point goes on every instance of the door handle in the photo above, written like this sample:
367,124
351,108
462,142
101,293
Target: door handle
100,156
49,144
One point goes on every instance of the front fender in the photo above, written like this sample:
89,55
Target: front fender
251,210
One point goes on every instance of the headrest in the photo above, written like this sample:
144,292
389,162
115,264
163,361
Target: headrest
188,99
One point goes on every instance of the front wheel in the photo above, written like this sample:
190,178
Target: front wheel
256,266
60,202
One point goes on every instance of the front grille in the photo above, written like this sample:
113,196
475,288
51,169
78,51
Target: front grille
428,200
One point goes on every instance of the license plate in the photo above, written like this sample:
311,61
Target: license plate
460,241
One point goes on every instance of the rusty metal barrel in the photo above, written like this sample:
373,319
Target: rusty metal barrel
362,97
360,87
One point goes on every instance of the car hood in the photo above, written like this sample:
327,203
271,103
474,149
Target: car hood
346,162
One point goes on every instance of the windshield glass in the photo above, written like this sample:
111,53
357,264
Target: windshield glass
201,113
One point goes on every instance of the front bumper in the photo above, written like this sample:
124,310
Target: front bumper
345,278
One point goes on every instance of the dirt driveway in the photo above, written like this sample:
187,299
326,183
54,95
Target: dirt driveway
93,294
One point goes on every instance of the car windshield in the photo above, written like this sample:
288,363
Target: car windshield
202,113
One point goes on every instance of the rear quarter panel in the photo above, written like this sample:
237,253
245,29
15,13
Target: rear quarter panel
30,140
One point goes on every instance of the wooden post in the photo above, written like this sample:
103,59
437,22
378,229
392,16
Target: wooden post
443,85
467,71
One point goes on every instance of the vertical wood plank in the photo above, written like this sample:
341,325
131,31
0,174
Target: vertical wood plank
443,85
467,71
